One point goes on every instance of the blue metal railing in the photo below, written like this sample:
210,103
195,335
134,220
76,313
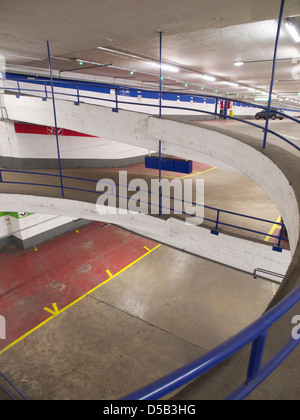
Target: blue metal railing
256,334
117,102
217,223
8,392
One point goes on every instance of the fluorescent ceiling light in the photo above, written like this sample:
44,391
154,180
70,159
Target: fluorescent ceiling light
251,89
233,85
81,62
168,67
238,63
261,99
292,30
208,78
122,53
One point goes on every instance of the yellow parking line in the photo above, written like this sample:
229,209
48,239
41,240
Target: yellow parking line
174,177
77,300
274,227
198,173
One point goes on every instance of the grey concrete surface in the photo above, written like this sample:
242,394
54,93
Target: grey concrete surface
161,313
223,189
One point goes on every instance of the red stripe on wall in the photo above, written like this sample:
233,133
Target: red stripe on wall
22,128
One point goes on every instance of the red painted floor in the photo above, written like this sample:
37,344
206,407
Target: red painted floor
61,271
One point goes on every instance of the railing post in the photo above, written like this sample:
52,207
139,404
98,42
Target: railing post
78,99
256,357
218,219
160,74
19,90
266,130
116,109
281,235
216,108
225,110
160,114
55,121
46,93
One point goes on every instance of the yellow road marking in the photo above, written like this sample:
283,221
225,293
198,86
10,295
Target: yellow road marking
267,238
198,173
55,313
147,249
174,177
109,273
274,227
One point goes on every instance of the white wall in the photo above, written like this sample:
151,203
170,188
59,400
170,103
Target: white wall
36,146
235,252
35,224
5,228
178,138
95,98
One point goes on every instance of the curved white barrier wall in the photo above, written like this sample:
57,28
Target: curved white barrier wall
228,250
180,139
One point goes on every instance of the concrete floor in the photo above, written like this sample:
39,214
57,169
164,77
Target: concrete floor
286,128
150,319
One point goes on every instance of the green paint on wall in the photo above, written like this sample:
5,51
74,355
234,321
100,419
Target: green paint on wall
14,214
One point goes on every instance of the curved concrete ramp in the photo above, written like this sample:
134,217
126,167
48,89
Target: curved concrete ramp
275,170
186,140
242,254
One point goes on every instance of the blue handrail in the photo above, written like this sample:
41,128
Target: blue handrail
13,386
217,222
100,87
255,333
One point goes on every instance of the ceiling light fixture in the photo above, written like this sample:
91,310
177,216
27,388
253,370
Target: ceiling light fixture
239,63
168,67
81,62
208,78
292,30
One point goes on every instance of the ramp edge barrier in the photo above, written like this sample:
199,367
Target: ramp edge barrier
267,272
256,334
119,92
216,222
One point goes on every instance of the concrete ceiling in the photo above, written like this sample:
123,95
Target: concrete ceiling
201,37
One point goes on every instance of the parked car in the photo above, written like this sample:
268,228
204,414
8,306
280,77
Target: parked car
273,114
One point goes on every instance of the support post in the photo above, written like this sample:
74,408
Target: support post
55,120
78,96
116,109
280,236
266,130
160,114
216,108
256,357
